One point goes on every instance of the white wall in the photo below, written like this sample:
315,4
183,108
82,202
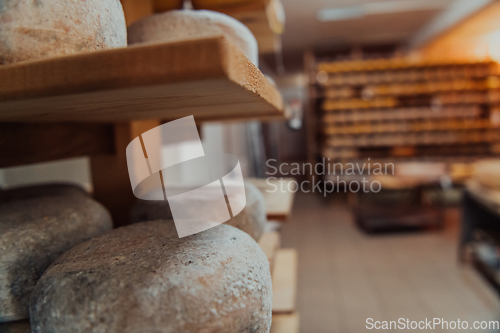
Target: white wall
71,170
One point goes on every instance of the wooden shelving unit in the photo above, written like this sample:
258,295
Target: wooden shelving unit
278,194
283,262
94,104
404,110
284,266
256,15
209,78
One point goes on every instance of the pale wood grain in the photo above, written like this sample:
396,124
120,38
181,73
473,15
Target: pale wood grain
285,281
253,14
278,195
110,176
209,78
285,323
270,244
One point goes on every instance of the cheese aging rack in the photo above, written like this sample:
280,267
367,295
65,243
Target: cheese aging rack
94,104
403,110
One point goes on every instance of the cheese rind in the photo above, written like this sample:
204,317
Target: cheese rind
31,30
143,278
186,24
252,219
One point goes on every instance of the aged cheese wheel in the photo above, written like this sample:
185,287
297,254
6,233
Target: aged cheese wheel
190,24
143,278
39,29
252,219
34,231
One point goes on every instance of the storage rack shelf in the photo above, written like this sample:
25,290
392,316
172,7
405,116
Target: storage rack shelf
404,109
94,104
208,78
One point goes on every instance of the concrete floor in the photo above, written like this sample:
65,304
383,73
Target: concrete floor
346,276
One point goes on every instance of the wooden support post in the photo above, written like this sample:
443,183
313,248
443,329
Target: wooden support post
110,177
136,9
110,173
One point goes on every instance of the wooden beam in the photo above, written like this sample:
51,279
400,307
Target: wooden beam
207,77
26,143
110,176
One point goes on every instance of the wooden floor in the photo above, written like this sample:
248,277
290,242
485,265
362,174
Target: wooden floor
346,276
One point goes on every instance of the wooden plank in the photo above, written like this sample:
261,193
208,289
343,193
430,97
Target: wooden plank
25,143
278,195
254,15
286,323
110,176
270,244
207,77
285,281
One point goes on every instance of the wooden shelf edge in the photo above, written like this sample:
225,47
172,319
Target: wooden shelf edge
286,323
285,281
278,203
161,80
270,243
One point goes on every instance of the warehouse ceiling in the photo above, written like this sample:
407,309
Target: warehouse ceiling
324,23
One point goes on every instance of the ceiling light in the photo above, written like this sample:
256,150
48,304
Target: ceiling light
374,8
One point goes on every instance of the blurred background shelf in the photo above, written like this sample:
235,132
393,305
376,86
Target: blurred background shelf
208,78
278,194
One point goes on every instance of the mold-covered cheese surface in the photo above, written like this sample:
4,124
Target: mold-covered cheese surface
37,29
143,278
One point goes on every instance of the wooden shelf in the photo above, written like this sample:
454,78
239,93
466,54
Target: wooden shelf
285,281
256,16
286,323
278,196
270,243
209,78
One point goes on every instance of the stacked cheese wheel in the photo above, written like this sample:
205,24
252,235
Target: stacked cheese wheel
31,30
140,278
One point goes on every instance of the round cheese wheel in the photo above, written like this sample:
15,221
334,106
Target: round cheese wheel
35,229
191,24
47,28
252,219
143,278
